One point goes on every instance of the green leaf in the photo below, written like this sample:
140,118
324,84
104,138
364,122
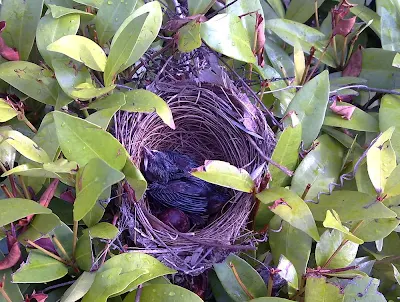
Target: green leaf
95,214
242,8
189,37
102,230
46,137
6,111
224,174
217,289
332,221
39,268
110,17
328,246
396,61
389,115
291,31
50,29
310,103
140,100
135,179
22,18
301,11
392,187
130,262
279,59
299,62
232,37
7,154
288,272
12,209
165,293
12,289
365,285
396,274
81,141
350,206
93,3
381,160
375,229
199,6
390,27
64,235
82,50
291,208
377,68
75,80
318,289
41,224
30,79
286,153
360,120
132,39
247,274
294,244
319,168
92,180
60,11
79,288
366,14
103,117
83,252
116,99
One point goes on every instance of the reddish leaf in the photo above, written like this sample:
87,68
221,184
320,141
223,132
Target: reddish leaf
8,53
345,111
14,254
354,66
38,297
344,26
2,25
68,195
260,39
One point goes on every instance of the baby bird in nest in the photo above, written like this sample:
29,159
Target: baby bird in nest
171,184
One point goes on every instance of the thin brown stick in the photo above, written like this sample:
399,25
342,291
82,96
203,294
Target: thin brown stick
75,238
248,293
61,248
7,191
24,188
316,14
58,258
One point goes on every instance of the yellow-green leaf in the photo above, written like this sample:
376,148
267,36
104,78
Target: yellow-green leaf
332,221
6,111
189,36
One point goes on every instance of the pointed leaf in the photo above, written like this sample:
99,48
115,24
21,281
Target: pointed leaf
319,168
79,288
6,111
92,180
39,268
81,49
81,141
366,14
58,11
140,100
30,79
233,40
375,229
310,105
135,179
332,221
299,62
224,174
116,99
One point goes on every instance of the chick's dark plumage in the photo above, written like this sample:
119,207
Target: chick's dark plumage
172,185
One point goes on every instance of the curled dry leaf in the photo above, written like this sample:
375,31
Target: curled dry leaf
14,253
341,26
354,66
344,26
344,111
38,297
260,39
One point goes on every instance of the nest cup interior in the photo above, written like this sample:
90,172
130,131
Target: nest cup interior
213,122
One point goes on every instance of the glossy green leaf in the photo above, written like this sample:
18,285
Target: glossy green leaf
130,262
39,268
41,224
50,29
75,80
30,79
299,62
103,117
83,252
242,8
328,245
12,289
390,27
102,230
61,11
46,137
302,10
310,103
350,206
79,288
381,160
279,59
377,68
218,290
132,39
233,40
375,229
366,14
224,174
389,115
135,179
365,285
318,289
292,209
165,293
332,221
12,209
110,17
94,215
22,18
140,100
31,171
288,272
360,120
189,37
82,50
294,244
291,31
319,168
6,111
248,275
116,99
286,153
81,141
92,180
199,6
7,154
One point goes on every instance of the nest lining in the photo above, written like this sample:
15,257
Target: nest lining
213,121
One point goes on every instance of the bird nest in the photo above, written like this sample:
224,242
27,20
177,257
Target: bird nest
214,121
